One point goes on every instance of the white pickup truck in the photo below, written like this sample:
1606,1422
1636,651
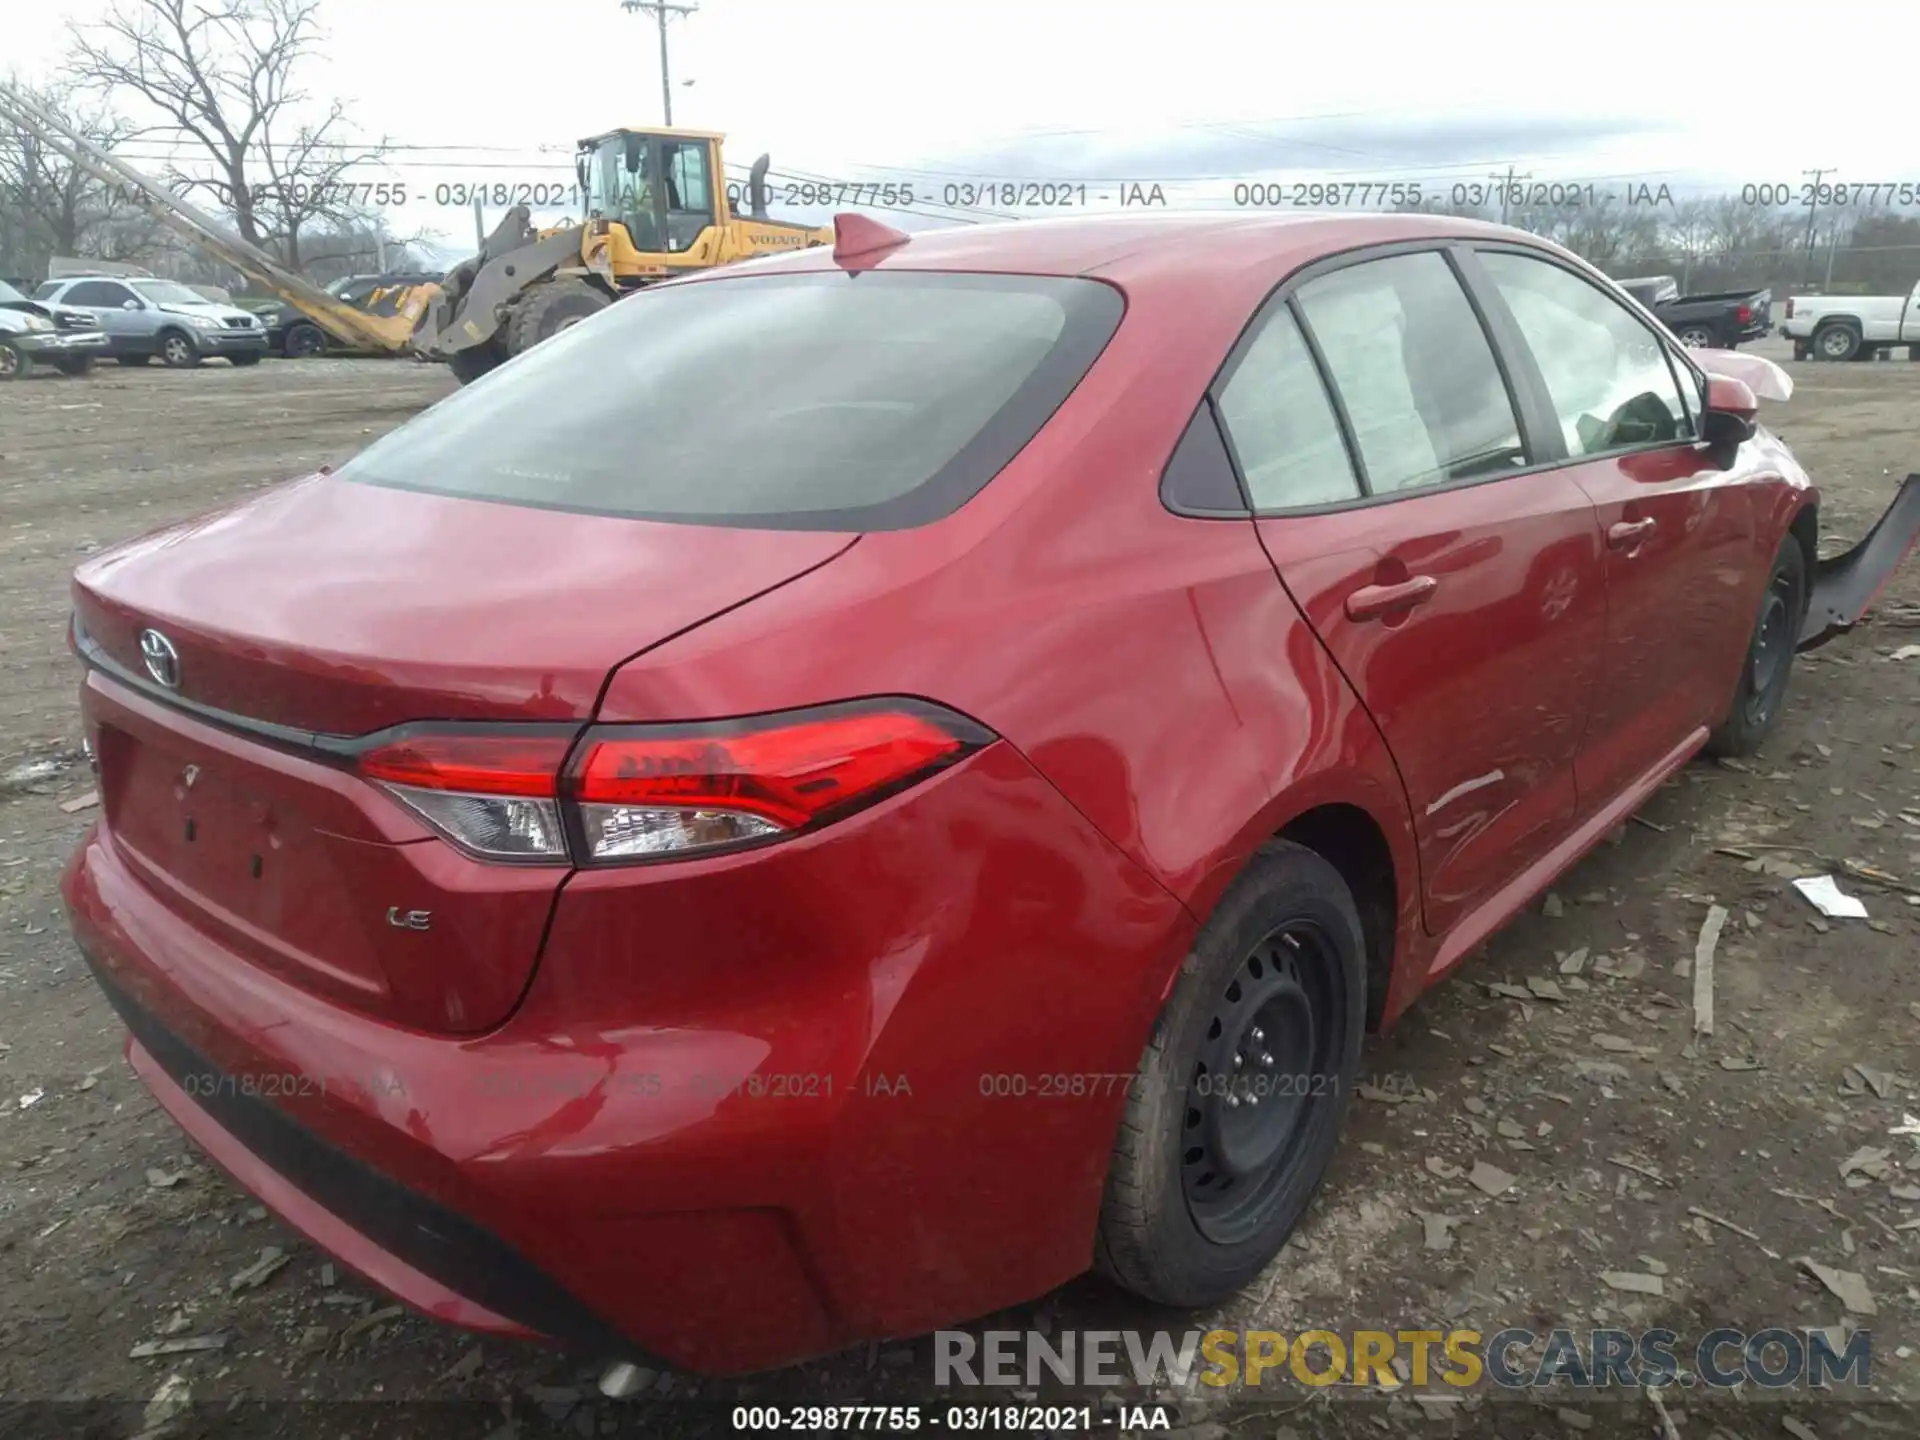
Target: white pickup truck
1843,327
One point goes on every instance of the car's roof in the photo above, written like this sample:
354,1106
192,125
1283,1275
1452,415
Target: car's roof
1121,246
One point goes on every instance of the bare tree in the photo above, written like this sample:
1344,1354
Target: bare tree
225,74
49,207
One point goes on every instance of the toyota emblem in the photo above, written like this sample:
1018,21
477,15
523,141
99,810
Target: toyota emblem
163,661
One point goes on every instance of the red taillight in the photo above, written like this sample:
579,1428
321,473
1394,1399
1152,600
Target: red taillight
646,791
1744,314
651,790
477,762
490,792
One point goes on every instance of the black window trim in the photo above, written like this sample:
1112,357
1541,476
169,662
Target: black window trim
1524,353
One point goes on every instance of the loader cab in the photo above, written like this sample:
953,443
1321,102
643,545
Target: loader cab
662,185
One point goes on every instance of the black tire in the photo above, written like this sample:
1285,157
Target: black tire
548,308
1836,341
251,357
1282,951
1768,663
1801,350
303,340
131,360
469,365
1697,337
14,363
177,350
75,364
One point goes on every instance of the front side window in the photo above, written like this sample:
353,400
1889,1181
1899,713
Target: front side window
687,187
824,401
1607,374
1415,371
1282,426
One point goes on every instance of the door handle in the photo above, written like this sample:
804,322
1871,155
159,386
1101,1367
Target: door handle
1628,533
1371,601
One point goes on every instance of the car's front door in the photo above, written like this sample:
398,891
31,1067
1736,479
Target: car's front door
1679,530
1459,592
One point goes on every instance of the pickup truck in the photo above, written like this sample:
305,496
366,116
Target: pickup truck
1719,320
1849,327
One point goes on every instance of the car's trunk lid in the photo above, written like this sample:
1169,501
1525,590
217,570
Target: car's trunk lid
329,609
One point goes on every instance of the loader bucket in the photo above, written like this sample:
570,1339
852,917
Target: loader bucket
1845,586
467,313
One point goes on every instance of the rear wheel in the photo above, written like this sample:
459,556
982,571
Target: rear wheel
13,361
75,364
1801,349
131,360
1769,659
304,340
1836,342
177,351
1239,1098
1697,337
249,358
550,307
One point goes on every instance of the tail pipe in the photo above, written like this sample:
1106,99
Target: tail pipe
1845,586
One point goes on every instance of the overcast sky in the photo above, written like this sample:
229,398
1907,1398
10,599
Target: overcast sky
1204,93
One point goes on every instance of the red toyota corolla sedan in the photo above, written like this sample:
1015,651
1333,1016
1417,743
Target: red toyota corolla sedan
834,796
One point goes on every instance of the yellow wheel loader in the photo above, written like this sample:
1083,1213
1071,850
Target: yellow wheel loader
656,204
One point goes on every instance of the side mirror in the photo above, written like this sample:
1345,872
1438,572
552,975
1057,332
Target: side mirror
131,305
1728,422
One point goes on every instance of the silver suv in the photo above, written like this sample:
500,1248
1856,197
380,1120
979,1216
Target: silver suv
144,318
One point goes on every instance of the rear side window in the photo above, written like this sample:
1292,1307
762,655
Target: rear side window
98,292
1415,372
1282,425
832,401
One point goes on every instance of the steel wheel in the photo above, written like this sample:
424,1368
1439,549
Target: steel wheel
1772,650
1261,1074
1838,343
1696,337
12,363
176,350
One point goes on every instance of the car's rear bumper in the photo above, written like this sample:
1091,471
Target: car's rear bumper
728,1175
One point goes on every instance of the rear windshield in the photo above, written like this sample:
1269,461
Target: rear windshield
832,401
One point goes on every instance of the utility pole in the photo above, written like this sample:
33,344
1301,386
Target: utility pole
661,10
1813,210
1506,189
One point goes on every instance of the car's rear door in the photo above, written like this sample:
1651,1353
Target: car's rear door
1458,590
1679,529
